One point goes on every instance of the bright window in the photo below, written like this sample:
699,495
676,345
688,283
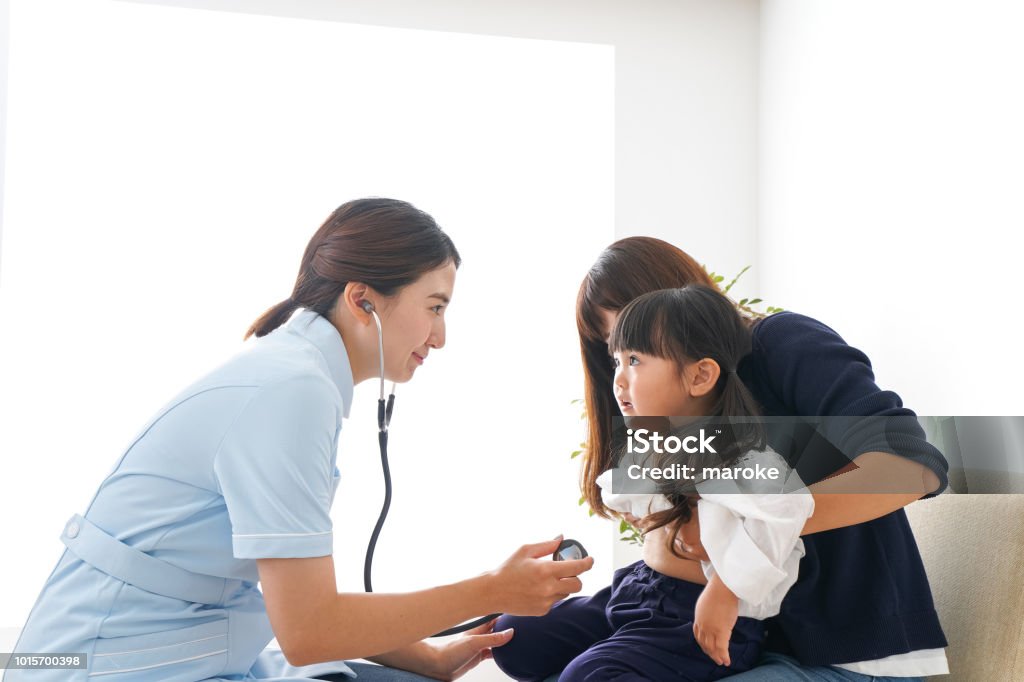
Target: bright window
165,168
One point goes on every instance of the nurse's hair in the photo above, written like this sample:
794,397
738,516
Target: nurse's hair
383,243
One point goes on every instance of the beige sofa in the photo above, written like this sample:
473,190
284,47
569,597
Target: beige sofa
973,550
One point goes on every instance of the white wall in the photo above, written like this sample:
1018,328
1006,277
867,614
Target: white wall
684,106
865,157
891,176
148,224
685,100
684,169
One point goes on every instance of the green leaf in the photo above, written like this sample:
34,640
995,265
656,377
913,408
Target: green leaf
729,286
756,300
590,512
743,301
583,498
575,454
623,526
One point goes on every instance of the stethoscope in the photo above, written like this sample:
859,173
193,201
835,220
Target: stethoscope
567,550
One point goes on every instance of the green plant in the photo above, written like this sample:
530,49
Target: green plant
628,532
744,303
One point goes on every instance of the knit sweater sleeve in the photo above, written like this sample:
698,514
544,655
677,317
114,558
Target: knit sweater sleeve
813,372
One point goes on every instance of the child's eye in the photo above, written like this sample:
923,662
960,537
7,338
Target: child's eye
614,361
634,360
437,308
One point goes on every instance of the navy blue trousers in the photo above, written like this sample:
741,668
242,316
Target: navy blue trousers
639,628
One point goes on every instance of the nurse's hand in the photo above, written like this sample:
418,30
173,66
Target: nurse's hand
455,658
529,582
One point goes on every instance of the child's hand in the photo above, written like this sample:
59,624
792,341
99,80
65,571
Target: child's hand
715,615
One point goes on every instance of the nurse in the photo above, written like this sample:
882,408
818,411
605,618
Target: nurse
232,481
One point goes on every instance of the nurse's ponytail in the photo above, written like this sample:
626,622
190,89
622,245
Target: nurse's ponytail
384,243
273,318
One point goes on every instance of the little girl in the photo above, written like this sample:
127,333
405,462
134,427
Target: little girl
676,352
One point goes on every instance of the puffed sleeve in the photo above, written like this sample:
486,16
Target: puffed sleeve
637,504
812,371
275,469
751,540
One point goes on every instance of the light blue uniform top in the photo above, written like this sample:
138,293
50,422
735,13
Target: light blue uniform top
159,579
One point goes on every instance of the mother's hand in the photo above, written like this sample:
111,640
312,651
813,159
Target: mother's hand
687,540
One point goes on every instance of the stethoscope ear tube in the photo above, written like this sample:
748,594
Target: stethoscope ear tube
383,417
569,549
382,438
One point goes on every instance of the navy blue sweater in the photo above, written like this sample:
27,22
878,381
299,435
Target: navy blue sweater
862,592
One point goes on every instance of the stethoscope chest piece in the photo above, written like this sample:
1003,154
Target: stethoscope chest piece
569,550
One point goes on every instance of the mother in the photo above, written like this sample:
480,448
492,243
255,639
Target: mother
861,608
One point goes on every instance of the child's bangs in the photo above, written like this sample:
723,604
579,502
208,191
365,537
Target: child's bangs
645,326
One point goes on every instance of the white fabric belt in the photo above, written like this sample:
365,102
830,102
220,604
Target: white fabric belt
133,566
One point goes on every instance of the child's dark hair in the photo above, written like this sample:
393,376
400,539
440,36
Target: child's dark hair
685,325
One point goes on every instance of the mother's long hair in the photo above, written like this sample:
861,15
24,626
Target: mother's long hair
625,270
628,268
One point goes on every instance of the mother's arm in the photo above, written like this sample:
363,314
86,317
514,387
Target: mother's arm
807,369
804,368
835,506
839,500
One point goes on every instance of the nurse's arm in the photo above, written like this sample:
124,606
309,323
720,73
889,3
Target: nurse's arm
893,482
313,622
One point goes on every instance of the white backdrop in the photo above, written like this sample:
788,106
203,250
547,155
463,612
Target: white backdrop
891,152
165,168
864,157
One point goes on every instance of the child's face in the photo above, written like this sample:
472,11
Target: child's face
649,386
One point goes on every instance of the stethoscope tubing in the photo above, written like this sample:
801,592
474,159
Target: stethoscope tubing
384,410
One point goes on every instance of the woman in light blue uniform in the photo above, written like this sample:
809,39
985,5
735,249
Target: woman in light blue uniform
232,481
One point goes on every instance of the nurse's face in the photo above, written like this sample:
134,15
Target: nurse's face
413,322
